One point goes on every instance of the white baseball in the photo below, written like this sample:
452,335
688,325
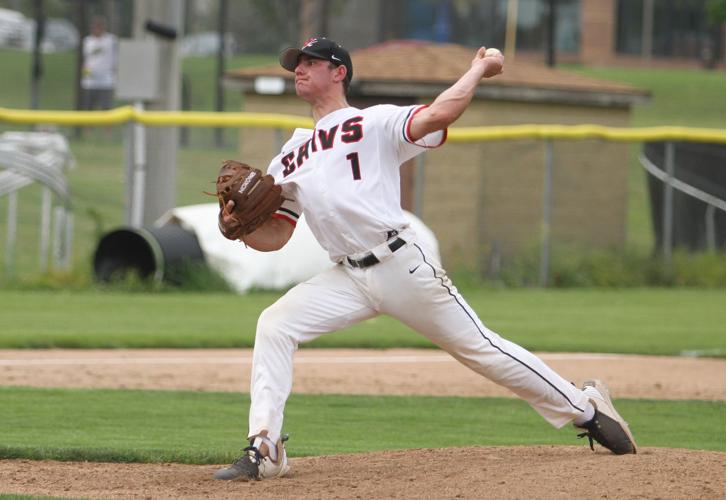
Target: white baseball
492,52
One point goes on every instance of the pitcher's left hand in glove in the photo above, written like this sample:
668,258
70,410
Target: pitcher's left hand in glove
247,199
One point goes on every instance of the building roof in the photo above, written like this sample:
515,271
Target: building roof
424,69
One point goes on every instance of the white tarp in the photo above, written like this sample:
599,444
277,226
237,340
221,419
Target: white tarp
245,268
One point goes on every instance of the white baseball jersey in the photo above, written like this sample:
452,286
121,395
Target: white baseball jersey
99,61
345,176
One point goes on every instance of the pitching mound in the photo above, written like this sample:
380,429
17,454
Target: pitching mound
491,472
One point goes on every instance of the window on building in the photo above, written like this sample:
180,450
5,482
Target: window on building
629,29
680,28
483,22
532,21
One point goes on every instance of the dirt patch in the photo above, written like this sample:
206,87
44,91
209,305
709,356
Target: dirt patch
360,371
480,472
492,472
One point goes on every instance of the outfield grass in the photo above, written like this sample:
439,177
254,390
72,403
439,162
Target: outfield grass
643,321
685,97
57,84
193,427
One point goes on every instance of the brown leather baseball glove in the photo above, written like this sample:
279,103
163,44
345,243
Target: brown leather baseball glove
256,197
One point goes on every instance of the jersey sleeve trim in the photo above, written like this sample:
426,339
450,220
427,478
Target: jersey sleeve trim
407,130
286,214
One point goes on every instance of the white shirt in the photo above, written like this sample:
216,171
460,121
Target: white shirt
99,62
344,175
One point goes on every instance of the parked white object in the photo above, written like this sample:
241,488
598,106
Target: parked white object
244,268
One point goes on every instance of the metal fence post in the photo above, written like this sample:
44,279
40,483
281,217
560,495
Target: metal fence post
11,233
46,205
67,240
58,235
544,258
711,228
668,202
138,190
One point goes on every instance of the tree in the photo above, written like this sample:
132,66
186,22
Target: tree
716,13
716,10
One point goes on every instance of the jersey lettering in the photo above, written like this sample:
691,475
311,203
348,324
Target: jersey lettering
352,130
314,143
289,164
302,154
327,138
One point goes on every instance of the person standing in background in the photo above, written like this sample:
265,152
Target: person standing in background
98,80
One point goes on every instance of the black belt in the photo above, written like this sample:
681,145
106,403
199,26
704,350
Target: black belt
371,259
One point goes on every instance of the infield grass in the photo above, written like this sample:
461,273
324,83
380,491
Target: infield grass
195,427
638,321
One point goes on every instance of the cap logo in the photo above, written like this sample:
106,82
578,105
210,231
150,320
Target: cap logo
311,41
333,56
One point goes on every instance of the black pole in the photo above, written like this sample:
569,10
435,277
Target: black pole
551,27
186,94
324,17
82,26
37,65
219,100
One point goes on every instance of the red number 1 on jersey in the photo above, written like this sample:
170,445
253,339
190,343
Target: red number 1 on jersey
354,165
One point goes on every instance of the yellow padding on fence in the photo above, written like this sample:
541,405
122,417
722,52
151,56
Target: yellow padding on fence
126,114
29,117
212,119
470,134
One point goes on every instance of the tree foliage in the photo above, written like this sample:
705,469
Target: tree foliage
716,10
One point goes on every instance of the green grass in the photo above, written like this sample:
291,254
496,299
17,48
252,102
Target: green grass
684,97
645,321
192,427
57,84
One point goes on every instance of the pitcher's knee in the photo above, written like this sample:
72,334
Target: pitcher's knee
273,326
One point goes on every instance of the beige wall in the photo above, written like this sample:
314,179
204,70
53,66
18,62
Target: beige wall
485,200
258,146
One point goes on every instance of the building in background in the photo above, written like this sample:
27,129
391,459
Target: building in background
586,31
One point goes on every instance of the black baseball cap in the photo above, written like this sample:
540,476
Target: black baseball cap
320,48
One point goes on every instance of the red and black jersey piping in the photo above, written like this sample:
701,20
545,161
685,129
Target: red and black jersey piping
407,128
286,214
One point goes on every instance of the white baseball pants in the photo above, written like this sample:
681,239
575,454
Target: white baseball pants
411,286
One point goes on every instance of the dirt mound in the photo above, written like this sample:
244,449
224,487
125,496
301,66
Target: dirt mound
491,472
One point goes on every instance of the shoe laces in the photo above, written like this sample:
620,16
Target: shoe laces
589,437
251,453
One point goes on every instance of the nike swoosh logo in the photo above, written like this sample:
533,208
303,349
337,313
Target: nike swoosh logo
333,57
411,271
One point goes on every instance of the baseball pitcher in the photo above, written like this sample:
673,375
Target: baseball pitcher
344,176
